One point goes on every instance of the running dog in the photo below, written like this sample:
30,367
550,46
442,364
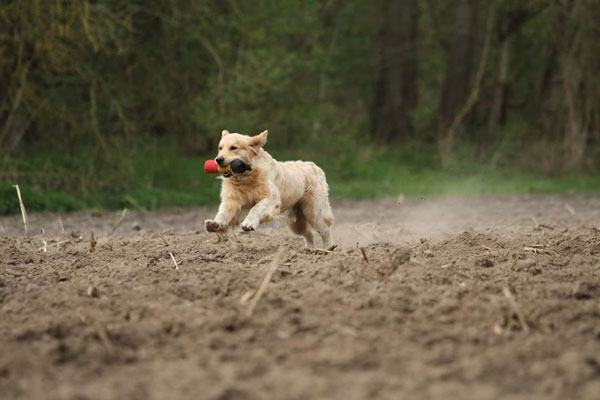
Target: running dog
268,189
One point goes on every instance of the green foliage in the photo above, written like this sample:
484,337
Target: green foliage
36,200
113,103
155,176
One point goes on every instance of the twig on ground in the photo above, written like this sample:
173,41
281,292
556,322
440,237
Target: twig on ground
485,247
170,252
60,223
262,286
55,244
23,211
119,221
537,249
173,258
93,243
106,340
44,247
516,309
317,250
569,209
464,275
364,254
538,246
164,240
538,225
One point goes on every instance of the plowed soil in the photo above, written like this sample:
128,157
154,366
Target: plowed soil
448,298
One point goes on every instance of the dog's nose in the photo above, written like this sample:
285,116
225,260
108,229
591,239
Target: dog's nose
220,160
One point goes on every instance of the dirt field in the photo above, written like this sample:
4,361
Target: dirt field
453,299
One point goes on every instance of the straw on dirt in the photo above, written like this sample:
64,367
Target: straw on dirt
264,282
23,212
170,252
516,309
119,221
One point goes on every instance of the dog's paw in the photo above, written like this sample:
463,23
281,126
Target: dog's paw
212,226
248,226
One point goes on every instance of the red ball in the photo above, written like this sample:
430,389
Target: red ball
211,166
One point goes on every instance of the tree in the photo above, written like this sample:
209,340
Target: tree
396,86
461,59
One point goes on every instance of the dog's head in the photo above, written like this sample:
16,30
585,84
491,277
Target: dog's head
235,146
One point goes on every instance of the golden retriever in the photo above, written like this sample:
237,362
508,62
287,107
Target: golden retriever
294,190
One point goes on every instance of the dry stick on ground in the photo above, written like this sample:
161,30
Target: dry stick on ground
56,244
93,243
364,254
44,247
262,286
569,209
516,309
62,227
163,239
173,258
538,225
106,340
119,221
23,212
318,250
170,252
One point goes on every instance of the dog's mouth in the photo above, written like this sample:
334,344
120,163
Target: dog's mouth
237,166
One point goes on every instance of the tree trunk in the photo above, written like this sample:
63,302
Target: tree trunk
396,92
460,61
498,100
576,130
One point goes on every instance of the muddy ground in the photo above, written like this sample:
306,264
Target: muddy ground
453,298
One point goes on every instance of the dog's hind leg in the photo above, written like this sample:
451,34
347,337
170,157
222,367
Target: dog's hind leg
319,216
299,226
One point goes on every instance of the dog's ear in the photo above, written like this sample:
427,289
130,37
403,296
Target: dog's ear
259,140
224,133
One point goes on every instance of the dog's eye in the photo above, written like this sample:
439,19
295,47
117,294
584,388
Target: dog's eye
220,147
233,148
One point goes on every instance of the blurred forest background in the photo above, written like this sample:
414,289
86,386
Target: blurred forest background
116,103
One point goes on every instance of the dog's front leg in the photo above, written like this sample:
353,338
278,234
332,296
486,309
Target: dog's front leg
264,210
229,212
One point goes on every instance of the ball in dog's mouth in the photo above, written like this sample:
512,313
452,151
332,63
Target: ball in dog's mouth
239,167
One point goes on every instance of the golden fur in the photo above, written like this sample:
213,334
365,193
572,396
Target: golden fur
295,190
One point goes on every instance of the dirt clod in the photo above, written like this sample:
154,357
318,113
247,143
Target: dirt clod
586,290
484,262
92,291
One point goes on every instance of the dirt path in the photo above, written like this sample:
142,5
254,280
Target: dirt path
452,298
